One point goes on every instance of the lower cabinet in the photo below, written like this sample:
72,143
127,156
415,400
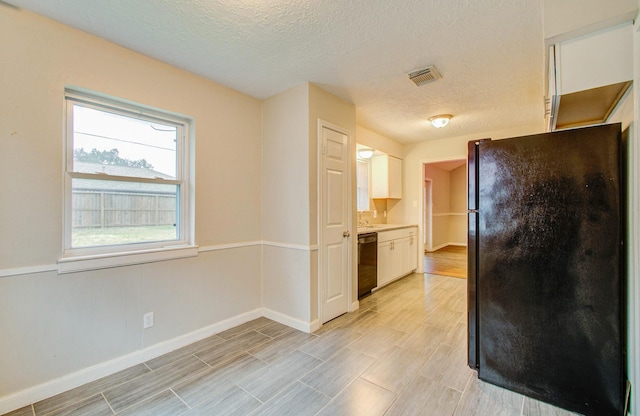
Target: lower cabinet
397,254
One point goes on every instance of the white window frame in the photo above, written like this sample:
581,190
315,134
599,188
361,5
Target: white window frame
74,259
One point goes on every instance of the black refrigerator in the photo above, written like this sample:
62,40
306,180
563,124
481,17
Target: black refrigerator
546,264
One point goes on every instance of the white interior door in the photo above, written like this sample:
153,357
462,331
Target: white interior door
335,270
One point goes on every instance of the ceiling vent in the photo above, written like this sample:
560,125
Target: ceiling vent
425,75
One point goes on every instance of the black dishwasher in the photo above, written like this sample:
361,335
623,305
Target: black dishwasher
367,263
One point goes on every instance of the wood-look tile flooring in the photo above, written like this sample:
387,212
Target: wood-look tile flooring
402,353
448,261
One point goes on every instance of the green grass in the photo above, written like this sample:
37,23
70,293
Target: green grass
87,237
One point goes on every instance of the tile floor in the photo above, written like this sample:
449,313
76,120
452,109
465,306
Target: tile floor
402,353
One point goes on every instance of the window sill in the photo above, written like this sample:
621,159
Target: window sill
105,261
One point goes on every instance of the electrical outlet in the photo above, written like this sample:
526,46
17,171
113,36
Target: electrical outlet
148,320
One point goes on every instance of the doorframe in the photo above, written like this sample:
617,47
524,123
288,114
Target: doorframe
633,195
427,217
422,177
348,196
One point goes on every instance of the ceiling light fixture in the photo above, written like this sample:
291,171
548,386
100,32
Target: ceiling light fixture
440,120
365,153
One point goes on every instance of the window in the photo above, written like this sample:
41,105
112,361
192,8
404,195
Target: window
362,185
126,178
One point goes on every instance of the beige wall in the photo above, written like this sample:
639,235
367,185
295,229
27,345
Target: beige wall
285,167
379,142
440,204
55,325
290,170
440,188
458,206
458,195
286,222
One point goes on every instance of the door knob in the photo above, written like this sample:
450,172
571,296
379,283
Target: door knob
346,234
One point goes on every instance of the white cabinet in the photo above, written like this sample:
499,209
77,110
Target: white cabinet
385,260
397,254
386,177
413,251
588,75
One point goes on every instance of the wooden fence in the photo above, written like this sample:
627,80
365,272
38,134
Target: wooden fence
100,209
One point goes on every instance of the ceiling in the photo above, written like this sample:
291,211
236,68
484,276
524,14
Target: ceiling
490,53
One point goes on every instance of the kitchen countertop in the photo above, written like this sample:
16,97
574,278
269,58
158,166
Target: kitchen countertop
383,227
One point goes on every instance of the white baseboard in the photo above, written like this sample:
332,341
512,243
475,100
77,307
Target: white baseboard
355,306
315,325
89,374
288,320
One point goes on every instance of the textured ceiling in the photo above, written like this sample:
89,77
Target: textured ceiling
489,52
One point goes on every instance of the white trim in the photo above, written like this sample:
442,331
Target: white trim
64,263
291,246
106,261
89,374
355,306
288,320
633,261
426,202
28,270
633,196
217,247
315,325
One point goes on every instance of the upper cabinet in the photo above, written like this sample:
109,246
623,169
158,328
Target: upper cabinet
588,75
386,177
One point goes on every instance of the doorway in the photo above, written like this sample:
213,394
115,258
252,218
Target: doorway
445,217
